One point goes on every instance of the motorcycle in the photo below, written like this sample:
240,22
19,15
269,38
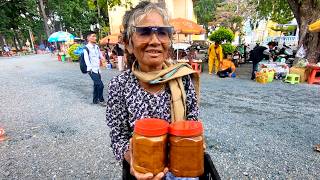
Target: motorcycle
236,58
285,55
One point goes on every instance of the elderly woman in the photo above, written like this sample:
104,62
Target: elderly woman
151,87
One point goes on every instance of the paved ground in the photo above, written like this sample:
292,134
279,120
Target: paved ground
253,131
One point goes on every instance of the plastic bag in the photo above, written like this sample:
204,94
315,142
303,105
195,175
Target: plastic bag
78,51
301,53
301,62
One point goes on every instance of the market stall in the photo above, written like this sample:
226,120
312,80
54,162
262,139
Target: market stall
280,69
62,37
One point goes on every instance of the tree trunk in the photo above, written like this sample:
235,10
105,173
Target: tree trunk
1,41
44,17
16,35
15,43
307,12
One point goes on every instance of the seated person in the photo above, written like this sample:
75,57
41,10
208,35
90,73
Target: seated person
227,67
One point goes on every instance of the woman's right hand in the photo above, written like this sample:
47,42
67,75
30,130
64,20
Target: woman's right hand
141,176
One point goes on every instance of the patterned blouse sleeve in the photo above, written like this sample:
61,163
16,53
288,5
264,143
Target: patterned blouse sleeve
116,117
192,104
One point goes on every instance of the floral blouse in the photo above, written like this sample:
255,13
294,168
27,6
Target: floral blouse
128,102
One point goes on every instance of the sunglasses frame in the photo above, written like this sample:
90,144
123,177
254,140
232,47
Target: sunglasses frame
155,29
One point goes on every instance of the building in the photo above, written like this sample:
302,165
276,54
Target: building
264,33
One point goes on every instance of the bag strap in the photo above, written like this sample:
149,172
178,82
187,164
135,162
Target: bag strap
86,48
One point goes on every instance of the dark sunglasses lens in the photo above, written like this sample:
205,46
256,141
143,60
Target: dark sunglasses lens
143,31
163,31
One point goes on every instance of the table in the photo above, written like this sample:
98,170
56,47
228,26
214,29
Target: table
278,67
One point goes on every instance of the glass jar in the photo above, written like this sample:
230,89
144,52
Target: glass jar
149,145
186,154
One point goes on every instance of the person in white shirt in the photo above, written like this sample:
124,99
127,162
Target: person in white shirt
93,67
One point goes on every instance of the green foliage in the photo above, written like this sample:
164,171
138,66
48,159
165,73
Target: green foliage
228,48
221,35
204,10
277,10
71,50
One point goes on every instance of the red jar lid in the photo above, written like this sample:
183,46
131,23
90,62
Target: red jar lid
151,127
186,128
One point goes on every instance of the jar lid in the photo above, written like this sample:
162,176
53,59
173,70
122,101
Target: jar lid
151,127
186,128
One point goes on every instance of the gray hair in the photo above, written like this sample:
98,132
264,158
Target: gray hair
136,14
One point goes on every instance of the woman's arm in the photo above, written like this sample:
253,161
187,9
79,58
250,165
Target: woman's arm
117,117
192,101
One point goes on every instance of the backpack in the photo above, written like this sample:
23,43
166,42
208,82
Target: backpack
82,62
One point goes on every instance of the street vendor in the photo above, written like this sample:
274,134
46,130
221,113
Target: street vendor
258,54
215,57
138,93
227,67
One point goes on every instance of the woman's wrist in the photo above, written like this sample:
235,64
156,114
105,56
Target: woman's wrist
127,156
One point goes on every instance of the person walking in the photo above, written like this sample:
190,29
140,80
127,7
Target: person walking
120,56
92,59
215,57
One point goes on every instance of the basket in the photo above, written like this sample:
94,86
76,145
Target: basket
270,73
270,76
210,172
261,77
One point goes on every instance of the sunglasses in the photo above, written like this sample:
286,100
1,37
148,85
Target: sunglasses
145,33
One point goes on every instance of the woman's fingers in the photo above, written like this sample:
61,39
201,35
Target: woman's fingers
159,176
140,176
166,170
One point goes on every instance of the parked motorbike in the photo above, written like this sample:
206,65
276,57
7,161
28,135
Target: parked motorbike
236,58
285,55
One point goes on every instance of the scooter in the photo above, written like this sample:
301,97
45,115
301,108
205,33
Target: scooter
236,57
286,55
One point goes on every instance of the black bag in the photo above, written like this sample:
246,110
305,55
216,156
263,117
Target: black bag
82,62
210,171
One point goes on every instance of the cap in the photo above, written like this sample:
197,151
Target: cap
151,127
186,128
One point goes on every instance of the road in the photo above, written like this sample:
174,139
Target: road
252,131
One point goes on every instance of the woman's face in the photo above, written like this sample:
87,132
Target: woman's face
150,51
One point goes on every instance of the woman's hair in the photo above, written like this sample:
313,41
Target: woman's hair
134,16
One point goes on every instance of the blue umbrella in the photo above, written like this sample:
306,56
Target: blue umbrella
60,36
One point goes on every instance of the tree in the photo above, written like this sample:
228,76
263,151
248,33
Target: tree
44,17
221,35
205,10
304,11
16,17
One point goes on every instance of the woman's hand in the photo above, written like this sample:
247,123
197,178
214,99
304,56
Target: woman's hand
141,176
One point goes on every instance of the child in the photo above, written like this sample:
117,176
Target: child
227,67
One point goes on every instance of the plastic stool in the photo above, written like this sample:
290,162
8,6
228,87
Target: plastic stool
313,76
292,78
196,67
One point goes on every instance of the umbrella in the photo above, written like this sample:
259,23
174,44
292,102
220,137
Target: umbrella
113,39
183,46
60,36
315,27
185,26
